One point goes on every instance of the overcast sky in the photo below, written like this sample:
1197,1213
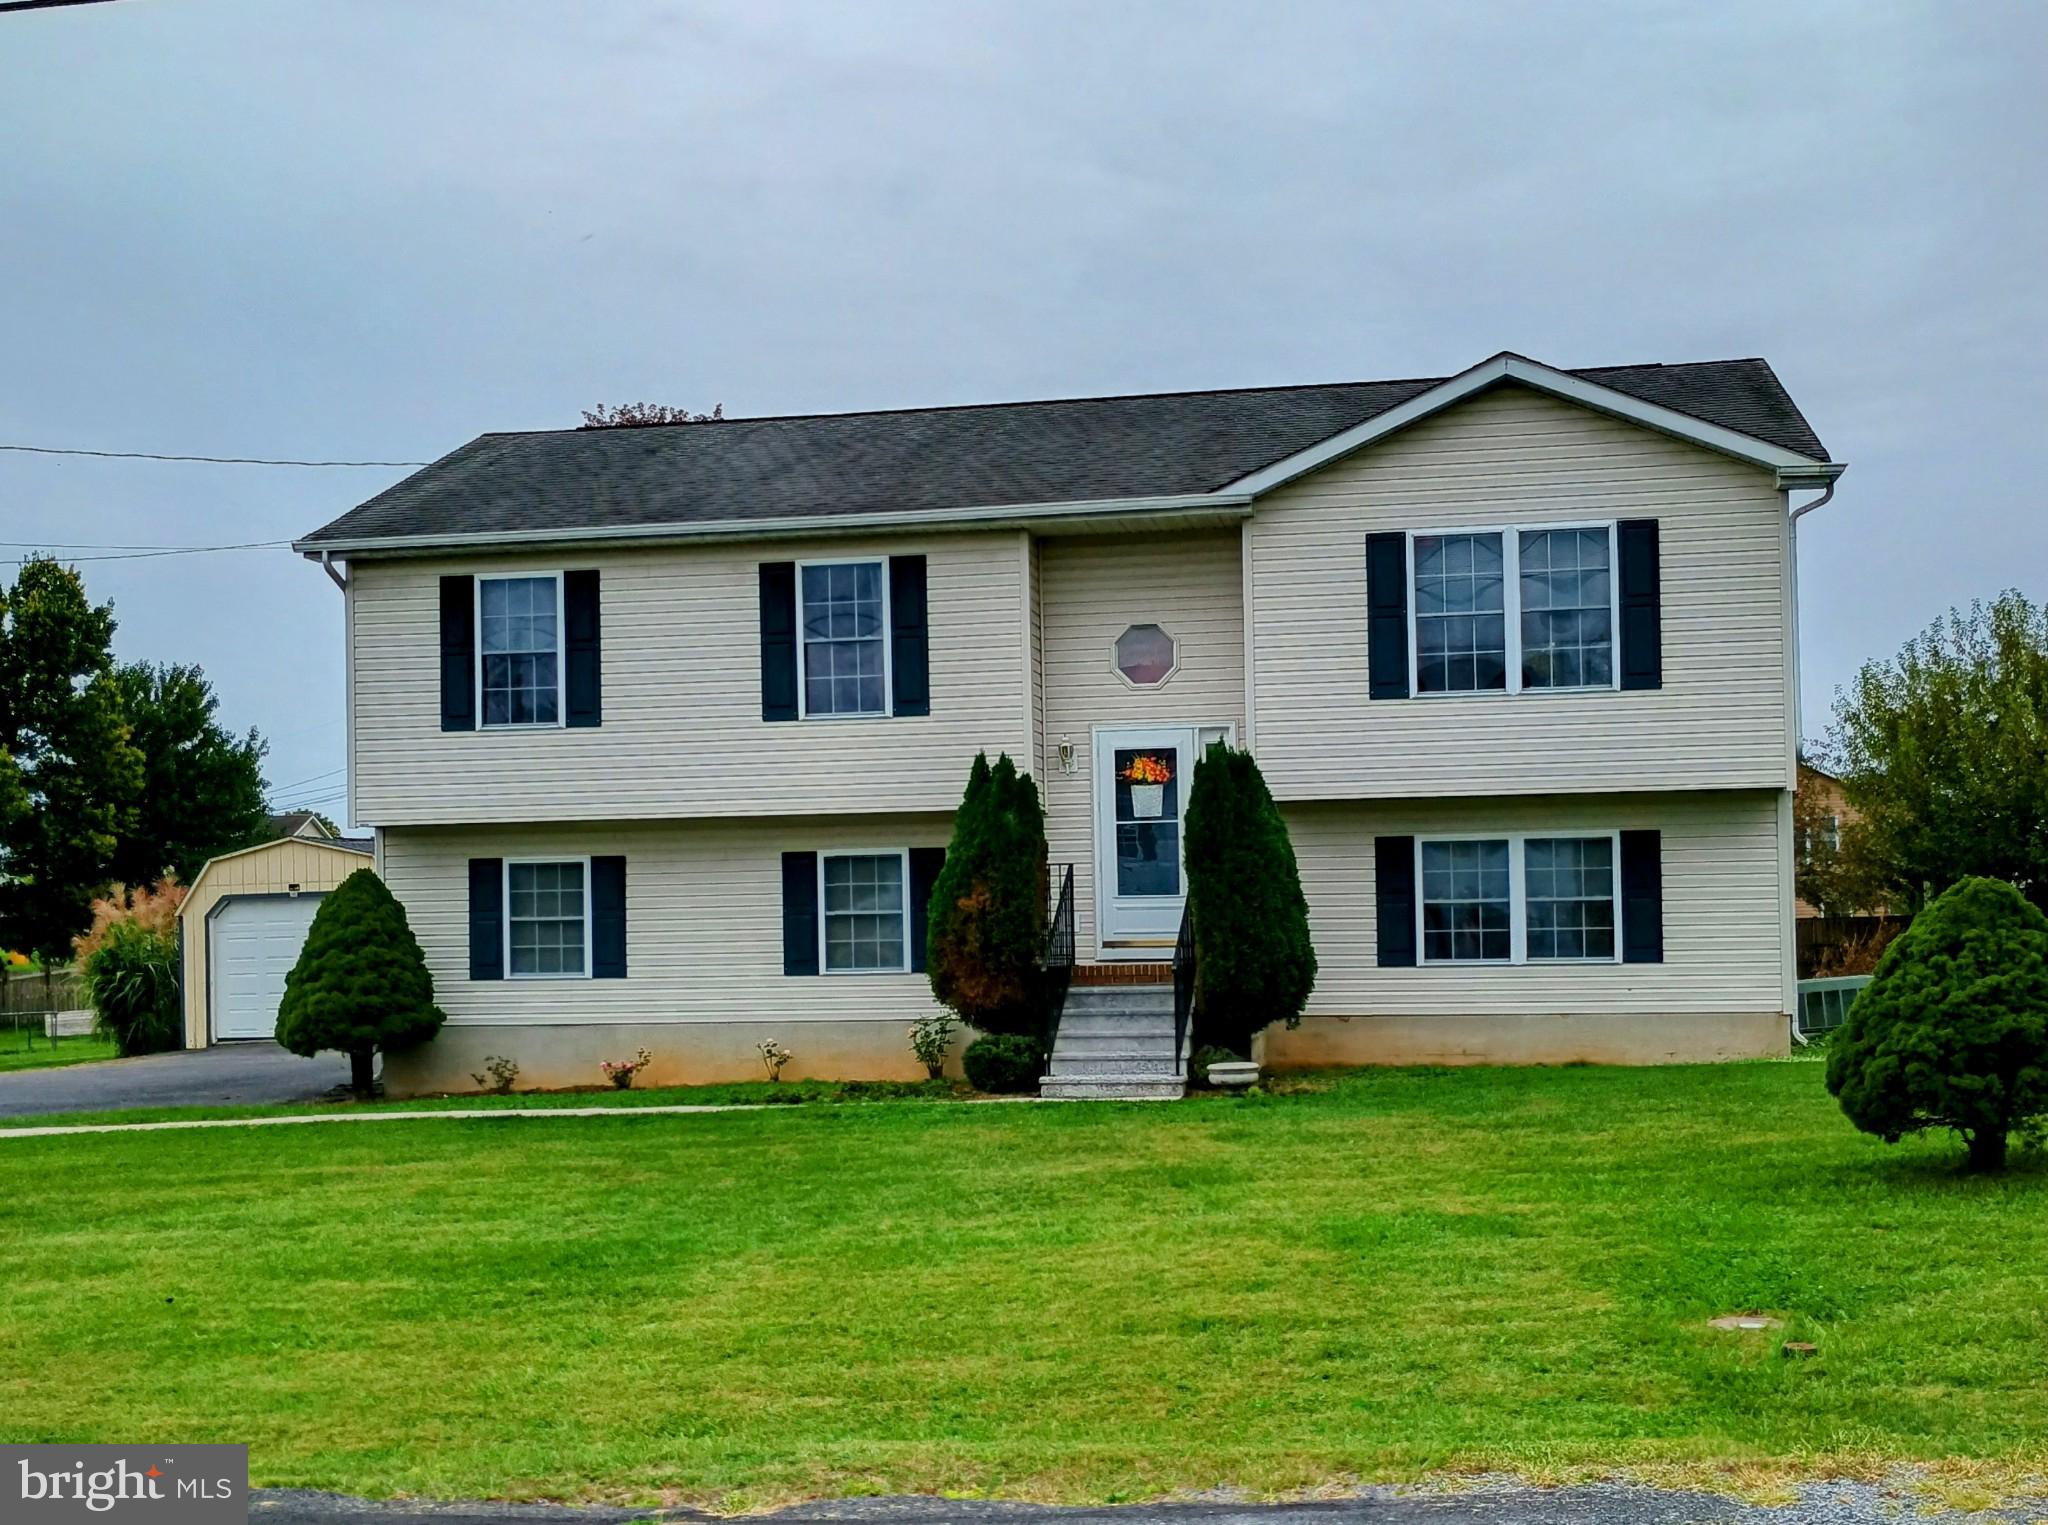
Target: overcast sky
378,228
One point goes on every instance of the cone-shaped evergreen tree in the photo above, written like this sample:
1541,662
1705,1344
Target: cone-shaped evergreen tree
987,920
361,983
1952,1030
1253,959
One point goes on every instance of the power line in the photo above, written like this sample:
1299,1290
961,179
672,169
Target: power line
166,550
210,460
301,783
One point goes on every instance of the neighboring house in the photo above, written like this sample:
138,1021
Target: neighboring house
300,823
661,729
1834,812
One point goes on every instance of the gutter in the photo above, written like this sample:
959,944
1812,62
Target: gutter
1235,505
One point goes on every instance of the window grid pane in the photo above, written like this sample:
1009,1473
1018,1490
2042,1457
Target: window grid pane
519,642
843,639
1569,888
865,925
1461,631
1567,619
1465,902
544,917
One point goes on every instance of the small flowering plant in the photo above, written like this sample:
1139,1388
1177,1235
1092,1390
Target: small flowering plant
774,1056
620,1072
930,1037
1148,770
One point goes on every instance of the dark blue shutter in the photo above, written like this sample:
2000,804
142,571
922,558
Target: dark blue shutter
778,640
487,918
1642,897
607,918
1386,614
910,646
799,913
1642,611
1393,861
583,700
458,653
925,863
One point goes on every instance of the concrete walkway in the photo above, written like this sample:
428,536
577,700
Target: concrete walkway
228,1074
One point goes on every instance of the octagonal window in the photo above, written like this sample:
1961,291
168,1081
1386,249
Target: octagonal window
1145,655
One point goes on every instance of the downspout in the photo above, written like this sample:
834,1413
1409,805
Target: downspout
1788,484
341,582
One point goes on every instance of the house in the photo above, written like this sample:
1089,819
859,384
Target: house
660,729
1832,811
302,823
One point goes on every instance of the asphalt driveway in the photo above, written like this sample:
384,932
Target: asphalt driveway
227,1074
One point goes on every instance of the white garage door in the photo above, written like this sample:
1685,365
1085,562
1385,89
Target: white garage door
255,943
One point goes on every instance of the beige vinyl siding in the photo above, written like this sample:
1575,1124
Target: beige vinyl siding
271,869
1515,457
683,734
1190,584
1726,939
703,922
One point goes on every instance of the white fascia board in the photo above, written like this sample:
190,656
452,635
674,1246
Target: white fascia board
1543,378
1231,503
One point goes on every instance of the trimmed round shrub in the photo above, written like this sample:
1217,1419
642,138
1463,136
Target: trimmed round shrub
986,927
131,980
1952,1031
1004,1064
1254,963
361,983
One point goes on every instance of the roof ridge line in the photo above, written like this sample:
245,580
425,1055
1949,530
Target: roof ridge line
990,407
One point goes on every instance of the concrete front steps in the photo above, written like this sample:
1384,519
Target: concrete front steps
1115,1043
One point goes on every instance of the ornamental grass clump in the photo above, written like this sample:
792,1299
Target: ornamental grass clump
131,980
1952,1030
1254,962
361,984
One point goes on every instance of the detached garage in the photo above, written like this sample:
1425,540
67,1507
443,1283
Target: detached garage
242,925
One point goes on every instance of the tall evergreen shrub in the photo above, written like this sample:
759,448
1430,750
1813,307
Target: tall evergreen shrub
987,918
1952,1030
361,983
1254,962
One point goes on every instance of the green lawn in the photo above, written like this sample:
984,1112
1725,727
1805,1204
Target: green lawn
1399,1272
83,1049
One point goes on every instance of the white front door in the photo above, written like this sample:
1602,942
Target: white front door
253,944
1142,778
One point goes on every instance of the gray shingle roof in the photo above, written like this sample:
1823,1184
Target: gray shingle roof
1002,454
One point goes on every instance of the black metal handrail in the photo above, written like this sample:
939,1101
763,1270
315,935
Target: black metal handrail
1183,988
1057,965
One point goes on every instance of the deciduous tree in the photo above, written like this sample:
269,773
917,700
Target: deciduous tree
1941,751
202,787
69,776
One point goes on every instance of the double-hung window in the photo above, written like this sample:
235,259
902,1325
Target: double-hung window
519,633
865,899
1513,609
844,619
1518,898
547,918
